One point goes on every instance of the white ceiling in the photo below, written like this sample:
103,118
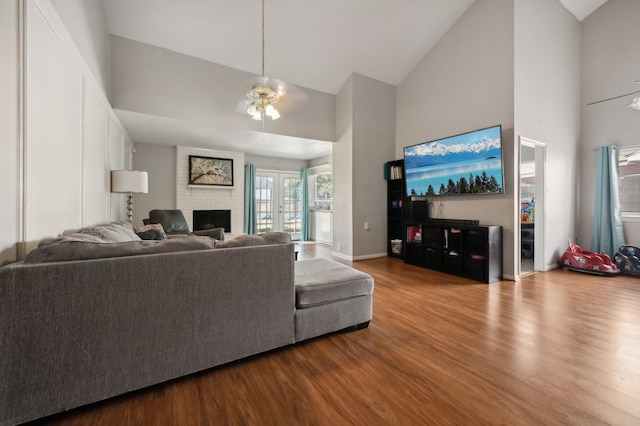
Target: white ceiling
313,44
582,8
170,132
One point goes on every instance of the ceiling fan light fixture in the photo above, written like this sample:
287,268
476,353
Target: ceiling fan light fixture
265,93
262,99
272,112
256,115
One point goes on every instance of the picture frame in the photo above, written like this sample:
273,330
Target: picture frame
210,171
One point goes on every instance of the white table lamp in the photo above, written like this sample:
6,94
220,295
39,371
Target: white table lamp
129,182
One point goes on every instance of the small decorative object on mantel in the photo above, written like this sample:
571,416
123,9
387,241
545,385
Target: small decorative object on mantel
209,171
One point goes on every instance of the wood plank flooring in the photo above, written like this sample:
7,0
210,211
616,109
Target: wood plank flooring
559,347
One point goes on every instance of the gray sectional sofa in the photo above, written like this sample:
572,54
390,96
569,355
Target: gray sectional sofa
100,313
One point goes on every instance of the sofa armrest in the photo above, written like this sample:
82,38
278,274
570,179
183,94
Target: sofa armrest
215,233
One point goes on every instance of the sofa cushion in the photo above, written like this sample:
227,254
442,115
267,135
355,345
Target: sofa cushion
153,231
80,237
321,281
75,247
256,240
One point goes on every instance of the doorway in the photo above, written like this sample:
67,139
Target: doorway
532,190
279,203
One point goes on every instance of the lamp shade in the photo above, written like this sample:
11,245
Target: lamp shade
129,181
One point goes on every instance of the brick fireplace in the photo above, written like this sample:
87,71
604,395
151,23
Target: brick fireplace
192,198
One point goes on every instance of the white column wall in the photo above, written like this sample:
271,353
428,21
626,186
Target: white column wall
9,130
610,63
60,151
547,109
466,83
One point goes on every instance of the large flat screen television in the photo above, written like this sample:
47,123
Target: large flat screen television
469,163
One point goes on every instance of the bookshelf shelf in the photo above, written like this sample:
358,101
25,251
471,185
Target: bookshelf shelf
394,174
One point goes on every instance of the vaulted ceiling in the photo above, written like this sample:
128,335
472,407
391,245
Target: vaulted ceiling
316,45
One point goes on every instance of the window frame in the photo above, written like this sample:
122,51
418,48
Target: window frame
623,152
315,203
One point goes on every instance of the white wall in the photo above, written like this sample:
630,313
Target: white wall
320,161
547,99
119,154
9,130
366,131
321,222
374,130
53,143
86,23
156,81
466,83
160,163
342,160
276,164
71,137
610,63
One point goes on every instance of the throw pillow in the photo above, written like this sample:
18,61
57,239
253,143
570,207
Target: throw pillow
114,232
150,232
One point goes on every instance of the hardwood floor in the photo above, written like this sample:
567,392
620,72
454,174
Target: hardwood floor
558,347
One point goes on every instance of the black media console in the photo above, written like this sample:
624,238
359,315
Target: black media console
451,222
458,247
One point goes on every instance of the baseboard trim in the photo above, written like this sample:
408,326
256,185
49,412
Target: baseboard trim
356,258
342,256
370,256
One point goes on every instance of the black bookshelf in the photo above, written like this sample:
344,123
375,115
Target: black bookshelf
396,201
456,247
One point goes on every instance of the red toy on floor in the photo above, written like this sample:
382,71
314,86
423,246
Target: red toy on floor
576,259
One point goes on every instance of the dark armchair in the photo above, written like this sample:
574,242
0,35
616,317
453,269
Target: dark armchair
174,223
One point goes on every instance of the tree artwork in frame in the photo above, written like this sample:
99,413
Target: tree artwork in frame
210,171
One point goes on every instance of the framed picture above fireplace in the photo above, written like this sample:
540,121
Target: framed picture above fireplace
210,171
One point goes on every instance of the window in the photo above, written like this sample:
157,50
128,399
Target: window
321,188
629,162
264,203
292,205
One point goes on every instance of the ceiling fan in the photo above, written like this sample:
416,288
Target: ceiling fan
270,97
635,104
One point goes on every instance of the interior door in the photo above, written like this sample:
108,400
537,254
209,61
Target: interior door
279,202
532,192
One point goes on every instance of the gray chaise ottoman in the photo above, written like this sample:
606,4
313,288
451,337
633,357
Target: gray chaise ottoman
330,296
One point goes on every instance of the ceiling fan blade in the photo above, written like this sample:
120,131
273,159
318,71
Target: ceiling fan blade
241,107
294,100
615,97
